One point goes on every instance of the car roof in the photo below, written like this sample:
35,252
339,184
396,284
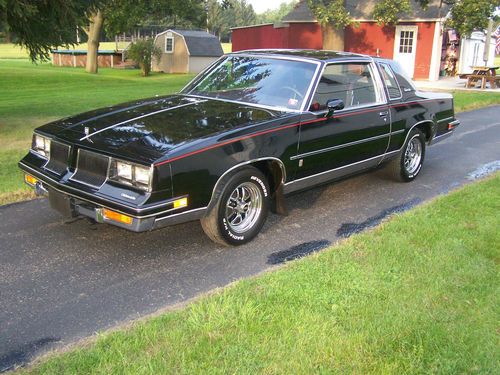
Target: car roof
310,54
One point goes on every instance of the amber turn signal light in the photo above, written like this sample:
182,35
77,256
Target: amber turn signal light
183,202
30,179
116,216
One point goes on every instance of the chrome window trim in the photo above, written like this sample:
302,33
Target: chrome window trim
309,93
78,163
376,77
397,82
277,57
197,77
283,109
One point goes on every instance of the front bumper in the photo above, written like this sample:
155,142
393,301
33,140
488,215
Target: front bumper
71,202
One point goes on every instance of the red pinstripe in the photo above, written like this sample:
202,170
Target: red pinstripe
281,128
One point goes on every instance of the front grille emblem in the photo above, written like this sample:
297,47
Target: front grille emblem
86,130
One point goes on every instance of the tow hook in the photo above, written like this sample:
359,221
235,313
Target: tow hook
40,190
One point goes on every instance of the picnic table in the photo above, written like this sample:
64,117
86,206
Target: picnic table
483,74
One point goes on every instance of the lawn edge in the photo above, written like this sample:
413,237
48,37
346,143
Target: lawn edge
128,325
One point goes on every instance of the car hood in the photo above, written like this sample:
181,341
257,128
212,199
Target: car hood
147,130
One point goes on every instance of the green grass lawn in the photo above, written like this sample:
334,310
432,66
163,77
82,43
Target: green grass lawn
466,101
32,95
419,294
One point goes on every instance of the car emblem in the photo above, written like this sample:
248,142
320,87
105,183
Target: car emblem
86,130
127,196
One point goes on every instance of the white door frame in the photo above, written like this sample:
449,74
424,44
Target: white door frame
406,59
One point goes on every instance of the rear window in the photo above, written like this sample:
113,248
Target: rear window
405,83
390,82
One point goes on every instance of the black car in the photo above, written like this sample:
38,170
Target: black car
252,127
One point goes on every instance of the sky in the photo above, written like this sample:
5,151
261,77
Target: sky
262,5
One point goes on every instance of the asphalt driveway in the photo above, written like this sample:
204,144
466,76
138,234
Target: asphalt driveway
61,282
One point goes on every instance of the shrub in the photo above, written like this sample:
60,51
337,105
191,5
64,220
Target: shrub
143,51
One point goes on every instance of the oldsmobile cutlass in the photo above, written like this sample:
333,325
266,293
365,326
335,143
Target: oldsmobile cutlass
251,128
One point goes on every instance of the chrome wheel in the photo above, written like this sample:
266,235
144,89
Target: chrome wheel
243,207
413,155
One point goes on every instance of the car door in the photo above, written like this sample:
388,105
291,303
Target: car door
352,136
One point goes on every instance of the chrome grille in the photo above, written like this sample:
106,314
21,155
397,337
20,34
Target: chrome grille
91,168
58,159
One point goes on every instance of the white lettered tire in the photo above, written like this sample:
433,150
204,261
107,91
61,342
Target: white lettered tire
408,164
239,208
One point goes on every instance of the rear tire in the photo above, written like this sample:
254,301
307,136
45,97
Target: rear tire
408,164
239,208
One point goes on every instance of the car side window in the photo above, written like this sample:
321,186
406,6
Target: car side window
353,83
390,81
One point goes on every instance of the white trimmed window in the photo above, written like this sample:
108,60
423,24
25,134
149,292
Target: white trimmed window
169,43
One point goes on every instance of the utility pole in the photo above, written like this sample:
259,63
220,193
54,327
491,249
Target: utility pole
206,12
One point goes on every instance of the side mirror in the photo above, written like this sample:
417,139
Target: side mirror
334,105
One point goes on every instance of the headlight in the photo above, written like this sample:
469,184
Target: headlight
41,145
124,170
131,174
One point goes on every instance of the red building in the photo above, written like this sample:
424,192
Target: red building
416,41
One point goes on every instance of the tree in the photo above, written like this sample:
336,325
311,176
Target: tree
117,16
334,18
143,52
223,15
466,15
42,25
276,15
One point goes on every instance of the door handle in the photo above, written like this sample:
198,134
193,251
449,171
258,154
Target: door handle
383,113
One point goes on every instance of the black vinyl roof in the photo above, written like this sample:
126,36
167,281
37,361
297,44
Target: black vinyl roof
201,43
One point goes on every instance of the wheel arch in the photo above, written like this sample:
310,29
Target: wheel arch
425,126
273,168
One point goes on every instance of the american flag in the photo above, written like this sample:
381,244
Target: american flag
497,45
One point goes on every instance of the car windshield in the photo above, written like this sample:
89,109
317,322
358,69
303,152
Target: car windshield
265,81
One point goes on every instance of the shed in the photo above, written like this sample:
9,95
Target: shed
186,51
472,51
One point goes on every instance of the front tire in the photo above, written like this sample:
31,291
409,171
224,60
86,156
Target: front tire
239,208
408,164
